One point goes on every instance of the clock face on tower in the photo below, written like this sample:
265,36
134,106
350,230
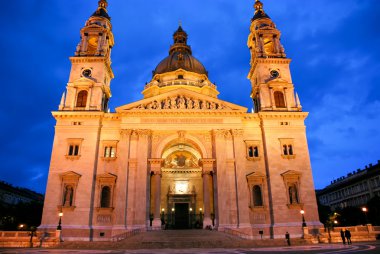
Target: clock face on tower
274,74
86,73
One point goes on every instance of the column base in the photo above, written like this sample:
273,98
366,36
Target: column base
207,222
156,223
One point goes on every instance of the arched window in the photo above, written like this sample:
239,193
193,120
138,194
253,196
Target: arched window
105,200
257,196
82,99
279,99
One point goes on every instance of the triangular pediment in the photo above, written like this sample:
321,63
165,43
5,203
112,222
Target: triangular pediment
181,100
70,175
291,173
84,81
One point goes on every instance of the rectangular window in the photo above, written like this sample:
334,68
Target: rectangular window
74,148
109,149
287,148
252,147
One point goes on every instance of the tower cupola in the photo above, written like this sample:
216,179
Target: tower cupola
88,88
272,87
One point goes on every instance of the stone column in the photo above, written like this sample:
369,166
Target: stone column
208,169
272,100
155,202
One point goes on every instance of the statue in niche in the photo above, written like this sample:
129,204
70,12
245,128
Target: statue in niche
293,194
212,105
68,196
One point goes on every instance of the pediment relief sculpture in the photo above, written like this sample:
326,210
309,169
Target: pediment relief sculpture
182,102
181,160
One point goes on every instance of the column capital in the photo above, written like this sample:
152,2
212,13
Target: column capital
208,165
237,132
156,161
221,133
207,161
125,132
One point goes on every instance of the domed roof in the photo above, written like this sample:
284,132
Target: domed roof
180,57
102,10
259,13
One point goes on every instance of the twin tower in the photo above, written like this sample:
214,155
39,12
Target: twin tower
180,158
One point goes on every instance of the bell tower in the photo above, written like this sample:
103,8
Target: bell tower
272,87
88,88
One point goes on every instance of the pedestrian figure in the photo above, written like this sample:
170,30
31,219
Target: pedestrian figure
347,234
342,235
287,237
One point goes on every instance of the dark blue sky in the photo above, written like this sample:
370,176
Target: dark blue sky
335,47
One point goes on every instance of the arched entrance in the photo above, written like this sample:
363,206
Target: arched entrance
181,188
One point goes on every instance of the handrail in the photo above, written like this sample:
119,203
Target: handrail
235,233
126,234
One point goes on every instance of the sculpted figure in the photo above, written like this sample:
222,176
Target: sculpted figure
181,102
196,104
189,103
173,102
167,103
212,105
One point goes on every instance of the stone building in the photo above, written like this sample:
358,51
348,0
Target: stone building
354,190
180,157
10,195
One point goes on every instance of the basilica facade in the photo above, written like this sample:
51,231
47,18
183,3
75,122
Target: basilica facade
180,158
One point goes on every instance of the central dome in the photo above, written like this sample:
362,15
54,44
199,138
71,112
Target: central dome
180,57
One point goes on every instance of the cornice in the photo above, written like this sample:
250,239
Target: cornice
193,113
282,115
85,114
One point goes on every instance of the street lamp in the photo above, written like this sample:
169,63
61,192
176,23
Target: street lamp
59,227
365,210
303,218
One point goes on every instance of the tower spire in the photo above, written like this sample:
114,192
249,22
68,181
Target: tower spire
258,6
103,4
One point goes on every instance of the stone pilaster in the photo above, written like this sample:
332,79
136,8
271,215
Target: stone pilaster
120,211
155,202
208,193
241,181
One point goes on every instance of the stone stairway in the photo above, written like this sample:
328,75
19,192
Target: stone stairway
180,239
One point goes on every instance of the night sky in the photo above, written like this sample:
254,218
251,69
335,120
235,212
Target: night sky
335,47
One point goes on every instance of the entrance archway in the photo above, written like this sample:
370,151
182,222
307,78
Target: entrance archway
181,186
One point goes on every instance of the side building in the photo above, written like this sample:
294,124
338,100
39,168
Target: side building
355,189
10,195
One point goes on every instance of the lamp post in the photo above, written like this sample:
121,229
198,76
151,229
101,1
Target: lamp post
59,227
365,210
303,218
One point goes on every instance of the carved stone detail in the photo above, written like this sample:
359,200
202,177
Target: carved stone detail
237,133
182,102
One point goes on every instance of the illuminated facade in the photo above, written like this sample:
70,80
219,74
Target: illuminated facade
180,156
